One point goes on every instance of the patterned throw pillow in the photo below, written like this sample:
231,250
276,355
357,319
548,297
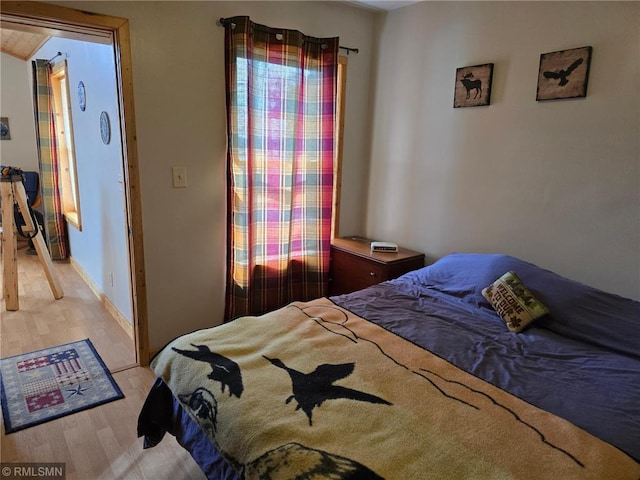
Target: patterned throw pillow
513,302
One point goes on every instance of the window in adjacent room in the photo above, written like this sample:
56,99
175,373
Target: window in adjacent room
66,150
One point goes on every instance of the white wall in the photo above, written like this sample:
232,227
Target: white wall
178,73
100,249
16,103
555,183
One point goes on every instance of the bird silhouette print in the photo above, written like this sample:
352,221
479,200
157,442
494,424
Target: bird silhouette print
223,369
311,390
563,74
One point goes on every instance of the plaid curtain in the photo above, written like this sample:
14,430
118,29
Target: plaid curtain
54,226
281,95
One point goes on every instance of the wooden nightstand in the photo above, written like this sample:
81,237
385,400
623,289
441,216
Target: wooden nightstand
354,267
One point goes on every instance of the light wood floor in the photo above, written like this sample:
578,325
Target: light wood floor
42,322
99,443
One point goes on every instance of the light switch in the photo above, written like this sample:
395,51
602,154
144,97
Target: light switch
179,177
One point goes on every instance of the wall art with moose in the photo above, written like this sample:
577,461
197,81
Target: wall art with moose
564,74
473,86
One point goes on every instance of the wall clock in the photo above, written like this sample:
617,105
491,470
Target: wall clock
105,128
82,96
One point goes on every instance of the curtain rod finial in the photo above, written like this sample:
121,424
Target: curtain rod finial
226,22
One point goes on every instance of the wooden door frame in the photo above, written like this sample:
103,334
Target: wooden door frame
71,20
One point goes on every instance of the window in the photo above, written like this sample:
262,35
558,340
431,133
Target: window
337,164
281,92
281,71
66,150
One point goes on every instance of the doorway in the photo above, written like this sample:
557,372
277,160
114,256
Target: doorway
61,21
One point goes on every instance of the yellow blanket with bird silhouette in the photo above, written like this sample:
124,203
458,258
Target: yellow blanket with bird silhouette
314,391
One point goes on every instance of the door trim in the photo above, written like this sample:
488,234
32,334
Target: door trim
86,23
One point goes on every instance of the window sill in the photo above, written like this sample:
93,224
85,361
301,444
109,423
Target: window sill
73,219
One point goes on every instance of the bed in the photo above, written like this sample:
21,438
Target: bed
477,366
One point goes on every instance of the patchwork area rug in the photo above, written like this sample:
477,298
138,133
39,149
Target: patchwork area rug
47,384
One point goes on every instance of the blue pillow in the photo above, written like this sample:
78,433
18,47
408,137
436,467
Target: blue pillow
576,310
464,275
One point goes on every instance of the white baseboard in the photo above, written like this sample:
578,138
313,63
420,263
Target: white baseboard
108,304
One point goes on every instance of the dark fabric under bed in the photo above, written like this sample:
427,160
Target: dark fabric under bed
162,413
581,362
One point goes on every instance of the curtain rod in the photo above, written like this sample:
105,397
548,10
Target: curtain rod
226,21
59,54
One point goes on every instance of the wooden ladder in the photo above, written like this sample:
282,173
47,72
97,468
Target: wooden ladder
12,189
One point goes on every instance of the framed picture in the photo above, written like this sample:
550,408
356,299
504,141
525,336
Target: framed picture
5,133
473,86
564,74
